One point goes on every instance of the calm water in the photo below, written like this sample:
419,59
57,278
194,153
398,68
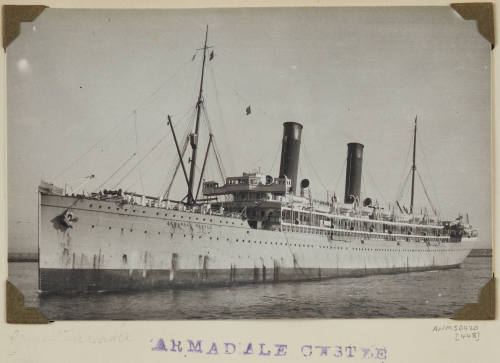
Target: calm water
417,294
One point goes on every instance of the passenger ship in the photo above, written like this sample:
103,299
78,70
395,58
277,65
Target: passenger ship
252,228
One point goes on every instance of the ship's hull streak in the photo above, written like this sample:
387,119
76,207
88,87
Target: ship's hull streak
62,281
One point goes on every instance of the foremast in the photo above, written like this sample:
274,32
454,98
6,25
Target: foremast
414,166
193,138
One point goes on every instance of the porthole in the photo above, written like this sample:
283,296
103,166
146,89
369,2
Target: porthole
92,226
131,229
109,207
133,211
145,231
100,206
143,211
90,205
109,227
157,213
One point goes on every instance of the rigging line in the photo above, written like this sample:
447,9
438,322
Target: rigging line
426,194
222,168
144,157
184,148
340,175
265,154
189,127
370,175
274,159
178,161
215,147
133,182
433,186
219,164
115,172
405,163
114,128
150,162
149,169
137,150
207,120
217,94
247,99
117,125
364,188
135,153
401,192
217,98
153,94
271,117
313,168
189,123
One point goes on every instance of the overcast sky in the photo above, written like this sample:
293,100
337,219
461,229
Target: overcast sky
83,78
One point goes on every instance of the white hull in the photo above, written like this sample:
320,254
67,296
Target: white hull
147,247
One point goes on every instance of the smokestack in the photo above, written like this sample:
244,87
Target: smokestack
292,132
353,172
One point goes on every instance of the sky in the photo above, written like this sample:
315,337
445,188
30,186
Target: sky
89,91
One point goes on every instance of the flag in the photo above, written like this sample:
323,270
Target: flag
194,56
211,55
248,110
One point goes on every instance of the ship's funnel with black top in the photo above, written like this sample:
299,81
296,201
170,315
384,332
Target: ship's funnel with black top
290,149
353,172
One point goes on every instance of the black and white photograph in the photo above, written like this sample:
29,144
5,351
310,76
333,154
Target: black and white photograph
249,163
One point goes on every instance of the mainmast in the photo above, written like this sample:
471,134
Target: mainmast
414,166
194,136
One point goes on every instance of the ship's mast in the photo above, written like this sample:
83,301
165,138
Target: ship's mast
414,166
194,136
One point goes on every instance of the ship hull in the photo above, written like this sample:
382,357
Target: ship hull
110,246
70,281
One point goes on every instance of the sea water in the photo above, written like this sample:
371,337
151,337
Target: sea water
439,293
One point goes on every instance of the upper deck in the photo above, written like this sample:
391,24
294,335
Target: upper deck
267,203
